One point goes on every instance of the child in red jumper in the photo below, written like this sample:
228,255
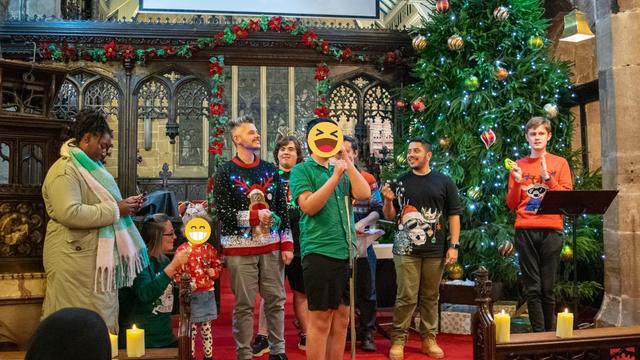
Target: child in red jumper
537,237
204,267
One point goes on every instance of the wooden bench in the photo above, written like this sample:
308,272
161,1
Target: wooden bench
155,354
601,343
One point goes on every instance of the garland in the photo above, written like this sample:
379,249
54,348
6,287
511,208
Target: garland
112,51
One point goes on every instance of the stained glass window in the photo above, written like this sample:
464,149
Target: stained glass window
343,107
66,105
277,105
191,113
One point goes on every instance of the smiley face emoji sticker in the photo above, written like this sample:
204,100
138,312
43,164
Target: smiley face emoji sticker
197,231
325,139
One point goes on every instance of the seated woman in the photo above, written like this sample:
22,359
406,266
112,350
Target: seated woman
148,303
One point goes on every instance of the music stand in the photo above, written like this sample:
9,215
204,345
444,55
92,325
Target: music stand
573,204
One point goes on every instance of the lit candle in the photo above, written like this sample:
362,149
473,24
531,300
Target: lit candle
564,326
114,345
503,327
135,342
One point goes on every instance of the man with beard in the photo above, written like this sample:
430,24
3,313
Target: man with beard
538,237
251,204
424,199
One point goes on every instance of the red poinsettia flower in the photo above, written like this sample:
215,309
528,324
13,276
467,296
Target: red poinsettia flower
321,112
45,53
324,47
216,148
309,38
220,92
215,68
321,72
290,24
216,109
390,57
219,131
240,32
170,50
151,53
69,52
128,52
254,25
275,23
346,54
210,184
110,50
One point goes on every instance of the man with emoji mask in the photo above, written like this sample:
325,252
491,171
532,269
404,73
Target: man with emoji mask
326,226
251,204
422,198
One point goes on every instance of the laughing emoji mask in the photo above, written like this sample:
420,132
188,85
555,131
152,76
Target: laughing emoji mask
197,231
325,139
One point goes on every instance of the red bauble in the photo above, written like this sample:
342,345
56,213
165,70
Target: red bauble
418,105
401,104
442,5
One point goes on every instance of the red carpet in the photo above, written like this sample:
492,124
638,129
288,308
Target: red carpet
455,346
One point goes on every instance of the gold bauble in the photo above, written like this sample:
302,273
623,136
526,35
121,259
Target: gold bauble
455,42
419,42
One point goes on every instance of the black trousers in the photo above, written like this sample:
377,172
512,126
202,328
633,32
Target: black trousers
539,256
365,293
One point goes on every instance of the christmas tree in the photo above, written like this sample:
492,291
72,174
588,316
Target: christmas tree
482,70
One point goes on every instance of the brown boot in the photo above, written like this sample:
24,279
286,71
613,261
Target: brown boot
431,348
396,352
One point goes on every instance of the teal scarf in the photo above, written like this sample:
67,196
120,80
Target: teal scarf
114,269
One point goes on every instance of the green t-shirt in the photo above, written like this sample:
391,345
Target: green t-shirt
324,233
148,304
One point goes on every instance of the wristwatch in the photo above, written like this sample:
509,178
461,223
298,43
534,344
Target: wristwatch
454,246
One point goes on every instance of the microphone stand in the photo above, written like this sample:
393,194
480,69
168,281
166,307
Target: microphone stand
352,311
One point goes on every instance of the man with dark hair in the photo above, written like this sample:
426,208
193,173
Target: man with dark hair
251,205
422,198
366,213
537,237
319,188
288,153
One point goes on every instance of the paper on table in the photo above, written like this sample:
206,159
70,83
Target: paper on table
367,238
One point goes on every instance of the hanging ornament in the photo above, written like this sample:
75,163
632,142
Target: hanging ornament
472,83
454,271
509,164
401,104
444,142
501,13
418,105
442,5
566,254
506,249
455,42
488,138
536,42
501,73
474,193
419,42
551,110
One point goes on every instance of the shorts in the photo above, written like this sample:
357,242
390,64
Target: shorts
293,272
326,282
203,306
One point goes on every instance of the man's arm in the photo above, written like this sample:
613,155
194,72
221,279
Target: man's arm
388,210
312,202
454,238
360,189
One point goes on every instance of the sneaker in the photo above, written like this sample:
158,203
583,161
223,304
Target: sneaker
260,345
302,343
431,348
278,357
367,344
396,352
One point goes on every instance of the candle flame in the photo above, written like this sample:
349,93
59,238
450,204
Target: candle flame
133,327
502,311
566,310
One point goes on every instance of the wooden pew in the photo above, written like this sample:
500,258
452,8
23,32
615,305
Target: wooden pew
183,352
600,343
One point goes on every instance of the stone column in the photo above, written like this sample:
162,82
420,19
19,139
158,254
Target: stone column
619,76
